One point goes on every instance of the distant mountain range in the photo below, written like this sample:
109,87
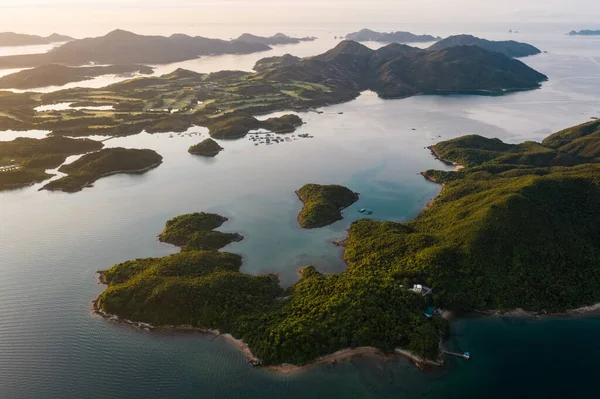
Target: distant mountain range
367,35
10,39
585,33
510,48
398,70
122,47
276,39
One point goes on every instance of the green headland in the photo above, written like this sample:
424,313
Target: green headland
514,229
59,75
317,316
109,161
24,161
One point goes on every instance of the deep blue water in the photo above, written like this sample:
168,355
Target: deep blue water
51,245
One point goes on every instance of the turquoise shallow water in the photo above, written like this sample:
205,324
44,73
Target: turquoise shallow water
51,244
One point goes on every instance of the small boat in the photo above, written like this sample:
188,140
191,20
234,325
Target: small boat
365,211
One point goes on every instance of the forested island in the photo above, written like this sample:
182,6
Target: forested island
278,38
239,125
196,232
227,101
59,75
510,48
10,39
109,161
584,33
323,205
367,35
515,228
206,148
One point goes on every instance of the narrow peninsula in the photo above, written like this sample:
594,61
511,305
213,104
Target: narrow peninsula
323,205
59,75
24,161
109,161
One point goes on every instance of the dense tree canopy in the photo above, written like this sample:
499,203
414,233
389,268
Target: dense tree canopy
323,204
517,228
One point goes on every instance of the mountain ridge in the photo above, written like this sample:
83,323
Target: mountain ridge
11,39
123,47
510,48
368,35
276,39
397,71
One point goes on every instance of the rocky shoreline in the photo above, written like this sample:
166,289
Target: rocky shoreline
347,353
285,368
457,166
581,311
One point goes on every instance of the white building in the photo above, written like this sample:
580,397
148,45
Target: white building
418,288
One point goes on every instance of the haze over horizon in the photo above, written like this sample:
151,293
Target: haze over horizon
94,17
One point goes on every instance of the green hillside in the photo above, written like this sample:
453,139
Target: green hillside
516,228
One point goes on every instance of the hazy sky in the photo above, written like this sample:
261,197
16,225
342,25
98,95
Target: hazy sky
73,16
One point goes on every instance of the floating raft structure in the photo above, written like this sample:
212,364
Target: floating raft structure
365,211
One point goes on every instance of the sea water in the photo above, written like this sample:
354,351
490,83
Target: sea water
51,245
